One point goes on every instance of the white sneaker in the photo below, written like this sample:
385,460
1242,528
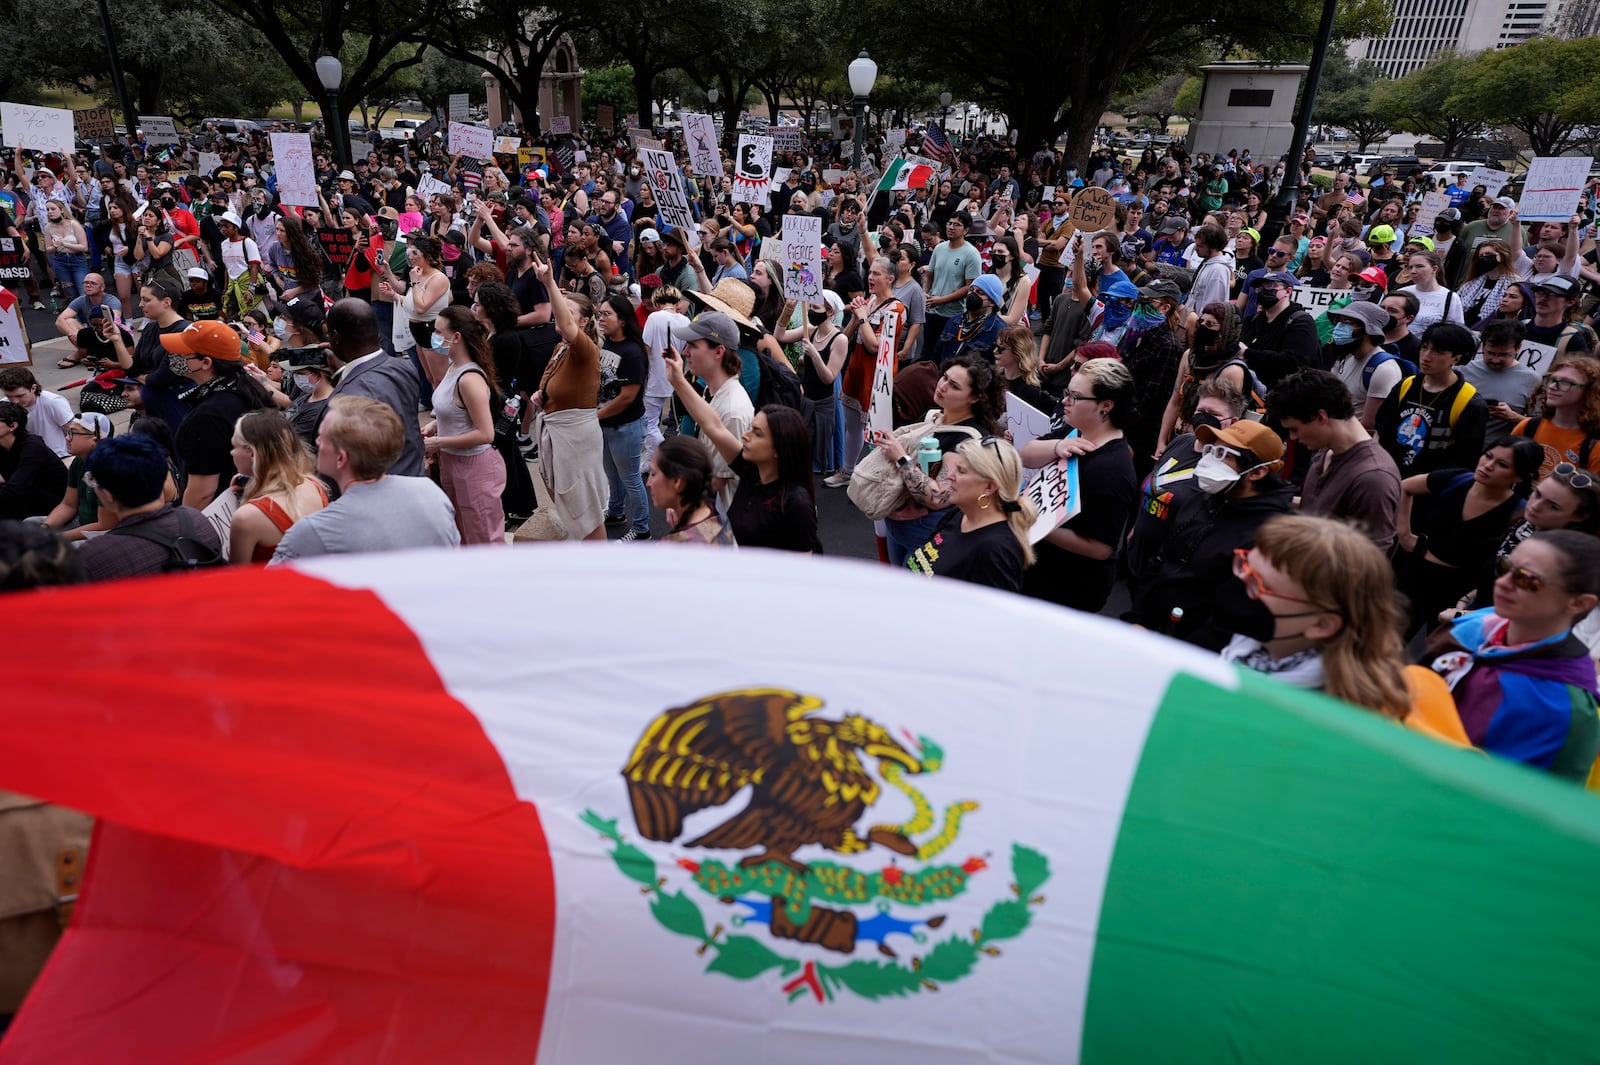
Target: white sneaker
838,480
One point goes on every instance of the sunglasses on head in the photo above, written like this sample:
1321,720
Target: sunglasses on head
1522,577
1573,476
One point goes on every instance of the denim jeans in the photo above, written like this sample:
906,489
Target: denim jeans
70,270
652,427
906,536
624,447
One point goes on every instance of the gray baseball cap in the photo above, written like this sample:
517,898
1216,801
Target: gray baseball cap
713,326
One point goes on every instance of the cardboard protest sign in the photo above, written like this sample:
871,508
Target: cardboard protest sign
802,265
752,169
1093,208
700,134
1552,188
880,414
672,199
296,169
471,142
94,123
560,124
158,129
45,129
606,116
459,104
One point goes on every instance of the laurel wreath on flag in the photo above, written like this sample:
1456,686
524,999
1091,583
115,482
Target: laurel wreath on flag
744,957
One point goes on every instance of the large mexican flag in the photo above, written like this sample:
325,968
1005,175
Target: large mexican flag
578,804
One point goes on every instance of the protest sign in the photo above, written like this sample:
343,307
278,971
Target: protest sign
567,156
94,123
424,131
780,174
894,142
1054,494
158,129
507,145
880,414
459,103
787,139
296,169
672,200
633,120
700,135
1024,421
13,260
757,124
428,185
606,116
340,244
1316,300
207,163
14,348
1093,208
472,142
802,263
1537,357
1491,179
752,169
47,129
1432,204
1552,189
640,138
560,124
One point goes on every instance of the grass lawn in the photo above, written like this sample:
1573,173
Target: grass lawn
73,100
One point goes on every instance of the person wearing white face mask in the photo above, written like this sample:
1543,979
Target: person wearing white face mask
1237,474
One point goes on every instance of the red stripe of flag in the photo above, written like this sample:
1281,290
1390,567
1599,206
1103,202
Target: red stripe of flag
308,850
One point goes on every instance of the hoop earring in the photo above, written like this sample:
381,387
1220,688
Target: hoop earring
981,504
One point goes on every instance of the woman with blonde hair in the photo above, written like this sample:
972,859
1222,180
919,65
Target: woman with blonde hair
282,487
1321,613
984,537
1017,356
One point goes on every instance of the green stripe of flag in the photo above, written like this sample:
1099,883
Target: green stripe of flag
1297,882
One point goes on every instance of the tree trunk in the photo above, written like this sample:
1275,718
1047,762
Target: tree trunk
298,106
644,94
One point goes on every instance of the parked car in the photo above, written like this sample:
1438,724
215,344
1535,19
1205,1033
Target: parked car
1364,163
232,128
1399,164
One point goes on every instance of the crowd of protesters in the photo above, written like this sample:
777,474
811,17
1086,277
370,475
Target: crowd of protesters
1257,472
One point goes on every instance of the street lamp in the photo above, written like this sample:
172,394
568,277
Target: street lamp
331,73
944,102
863,72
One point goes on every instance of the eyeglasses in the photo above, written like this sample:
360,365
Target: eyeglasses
81,432
1221,451
1572,475
1562,384
1073,397
1254,585
1522,578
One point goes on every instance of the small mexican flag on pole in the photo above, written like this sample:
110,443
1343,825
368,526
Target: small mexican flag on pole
904,174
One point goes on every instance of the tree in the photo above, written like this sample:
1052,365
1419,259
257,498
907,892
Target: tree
1056,67
369,38
1347,96
508,39
1420,103
1187,100
610,85
1158,102
1528,88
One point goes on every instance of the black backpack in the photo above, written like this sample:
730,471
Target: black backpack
185,553
780,385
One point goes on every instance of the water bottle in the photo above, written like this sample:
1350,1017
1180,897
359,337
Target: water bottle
513,405
928,454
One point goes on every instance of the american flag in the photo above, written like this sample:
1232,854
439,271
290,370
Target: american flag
471,174
935,145
256,336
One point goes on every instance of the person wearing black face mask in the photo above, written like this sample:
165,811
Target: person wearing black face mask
189,249
825,347
1282,336
1236,474
976,330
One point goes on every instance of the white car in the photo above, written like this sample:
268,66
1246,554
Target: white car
1364,163
1449,167
404,129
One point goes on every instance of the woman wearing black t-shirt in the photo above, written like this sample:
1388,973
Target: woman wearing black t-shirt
1077,563
984,539
775,504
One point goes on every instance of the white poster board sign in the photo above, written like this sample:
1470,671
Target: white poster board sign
1552,189
296,169
894,142
208,163
802,263
158,129
1537,357
507,145
1432,204
459,102
428,185
45,129
1316,300
752,169
14,349
1054,494
560,124
1024,421
700,134
786,138
880,415
473,142
1491,179
672,199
